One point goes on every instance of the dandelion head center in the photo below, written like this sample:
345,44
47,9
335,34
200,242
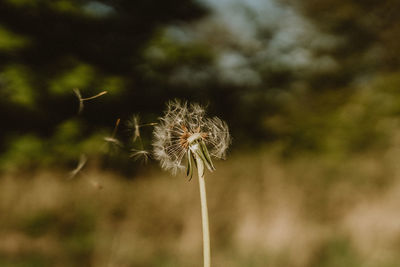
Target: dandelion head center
188,137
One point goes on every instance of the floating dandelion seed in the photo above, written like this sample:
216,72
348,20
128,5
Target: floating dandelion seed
136,133
142,155
81,164
114,142
81,99
116,127
134,126
184,131
79,96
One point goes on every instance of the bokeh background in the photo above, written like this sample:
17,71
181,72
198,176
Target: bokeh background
310,90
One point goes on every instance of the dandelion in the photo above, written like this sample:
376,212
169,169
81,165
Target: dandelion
185,133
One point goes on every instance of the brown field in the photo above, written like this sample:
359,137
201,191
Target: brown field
307,211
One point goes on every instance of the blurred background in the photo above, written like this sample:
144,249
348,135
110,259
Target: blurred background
309,89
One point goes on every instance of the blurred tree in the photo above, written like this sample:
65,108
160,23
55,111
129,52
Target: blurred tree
369,31
278,71
48,47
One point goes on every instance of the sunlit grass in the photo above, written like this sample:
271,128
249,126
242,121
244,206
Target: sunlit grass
280,213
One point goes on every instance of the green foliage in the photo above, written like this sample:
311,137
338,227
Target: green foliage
29,260
340,123
18,86
145,56
336,253
22,151
115,85
61,6
65,6
48,48
65,147
10,41
162,50
39,223
79,76
163,56
75,231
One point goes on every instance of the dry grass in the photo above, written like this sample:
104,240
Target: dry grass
263,212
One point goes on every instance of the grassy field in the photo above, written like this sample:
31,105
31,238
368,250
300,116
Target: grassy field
264,211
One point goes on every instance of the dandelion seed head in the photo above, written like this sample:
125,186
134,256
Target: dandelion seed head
181,125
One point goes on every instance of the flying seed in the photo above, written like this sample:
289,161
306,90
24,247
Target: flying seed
81,99
81,164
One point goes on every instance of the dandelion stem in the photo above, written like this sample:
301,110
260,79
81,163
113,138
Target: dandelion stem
204,212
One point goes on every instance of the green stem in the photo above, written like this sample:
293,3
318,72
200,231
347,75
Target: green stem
204,212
